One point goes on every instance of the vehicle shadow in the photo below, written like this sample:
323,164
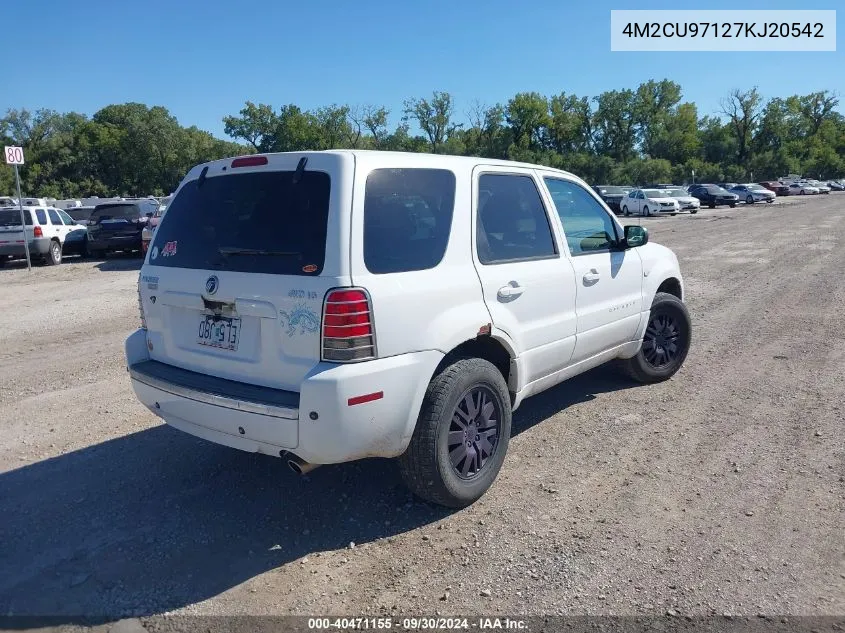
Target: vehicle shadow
121,262
157,520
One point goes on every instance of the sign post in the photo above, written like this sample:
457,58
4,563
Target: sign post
14,156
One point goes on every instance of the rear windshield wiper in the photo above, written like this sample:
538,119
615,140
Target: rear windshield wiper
234,250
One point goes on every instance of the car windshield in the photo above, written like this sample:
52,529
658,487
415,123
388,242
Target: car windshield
677,193
80,214
613,191
655,193
754,187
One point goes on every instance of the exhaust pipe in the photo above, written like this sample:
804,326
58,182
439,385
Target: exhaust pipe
299,466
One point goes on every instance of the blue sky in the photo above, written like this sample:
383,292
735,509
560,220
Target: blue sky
204,59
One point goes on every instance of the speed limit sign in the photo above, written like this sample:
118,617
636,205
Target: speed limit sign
14,155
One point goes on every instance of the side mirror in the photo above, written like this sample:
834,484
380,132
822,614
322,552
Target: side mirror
635,236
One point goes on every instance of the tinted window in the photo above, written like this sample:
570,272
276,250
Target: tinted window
80,213
66,218
54,217
512,222
115,213
41,215
587,226
407,218
258,222
12,217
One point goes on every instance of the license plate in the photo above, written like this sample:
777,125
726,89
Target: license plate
220,332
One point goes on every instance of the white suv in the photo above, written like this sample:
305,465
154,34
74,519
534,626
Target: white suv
331,306
47,230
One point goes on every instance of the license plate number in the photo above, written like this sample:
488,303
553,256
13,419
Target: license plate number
220,332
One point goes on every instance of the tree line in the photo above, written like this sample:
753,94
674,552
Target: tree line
627,136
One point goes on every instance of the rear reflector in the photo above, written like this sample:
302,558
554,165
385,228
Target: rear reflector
249,161
366,398
348,333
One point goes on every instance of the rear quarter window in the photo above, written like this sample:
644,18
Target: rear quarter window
41,215
407,218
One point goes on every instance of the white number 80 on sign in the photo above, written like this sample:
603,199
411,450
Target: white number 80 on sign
14,155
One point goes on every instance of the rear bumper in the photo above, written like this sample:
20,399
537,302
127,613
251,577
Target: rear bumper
317,424
39,246
115,243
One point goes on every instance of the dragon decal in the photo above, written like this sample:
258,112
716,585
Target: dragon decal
301,320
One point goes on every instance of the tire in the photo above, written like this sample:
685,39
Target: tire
646,212
749,200
643,367
54,255
801,192
712,204
625,211
733,205
770,201
693,211
426,466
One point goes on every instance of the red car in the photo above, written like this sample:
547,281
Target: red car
778,187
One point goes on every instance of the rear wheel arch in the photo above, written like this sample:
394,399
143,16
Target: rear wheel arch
488,348
672,286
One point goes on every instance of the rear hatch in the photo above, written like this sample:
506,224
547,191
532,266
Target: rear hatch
116,224
238,267
11,229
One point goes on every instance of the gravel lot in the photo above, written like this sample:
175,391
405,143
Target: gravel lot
720,491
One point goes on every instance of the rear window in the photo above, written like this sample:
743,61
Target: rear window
258,222
12,217
115,213
407,218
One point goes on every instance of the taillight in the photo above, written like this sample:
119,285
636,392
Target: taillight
348,332
141,306
37,232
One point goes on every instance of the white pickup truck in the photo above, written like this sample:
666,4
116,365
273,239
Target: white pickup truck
331,306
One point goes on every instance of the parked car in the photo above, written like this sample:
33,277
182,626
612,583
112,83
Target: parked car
80,215
612,195
821,186
46,230
295,343
116,227
752,192
649,202
778,188
799,188
686,202
713,195
835,185
149,229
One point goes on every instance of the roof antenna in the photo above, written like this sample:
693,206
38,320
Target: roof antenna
300,167
201,179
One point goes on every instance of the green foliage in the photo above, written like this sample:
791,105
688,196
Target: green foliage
648,134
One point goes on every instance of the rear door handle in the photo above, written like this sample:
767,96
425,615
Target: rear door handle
508,291
592,277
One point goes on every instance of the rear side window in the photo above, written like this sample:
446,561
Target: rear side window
256,222
41,215
54,217
512,221
12,217
66,218
407,218
80,214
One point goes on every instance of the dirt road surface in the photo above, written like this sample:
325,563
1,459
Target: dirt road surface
719,491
